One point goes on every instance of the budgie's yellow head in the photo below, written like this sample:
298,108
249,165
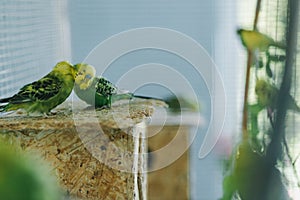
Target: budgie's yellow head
85,75
65,68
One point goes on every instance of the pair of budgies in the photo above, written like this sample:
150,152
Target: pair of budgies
53,89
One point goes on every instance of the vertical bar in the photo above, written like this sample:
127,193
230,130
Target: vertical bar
274,150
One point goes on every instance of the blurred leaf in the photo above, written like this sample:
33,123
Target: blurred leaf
248,177
254,111
229,187
24,178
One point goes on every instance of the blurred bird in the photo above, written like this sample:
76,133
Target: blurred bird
98,91
267,96
253,40
45,94
181,103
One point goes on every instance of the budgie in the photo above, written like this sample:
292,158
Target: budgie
267,95
253,40
98,91
45,94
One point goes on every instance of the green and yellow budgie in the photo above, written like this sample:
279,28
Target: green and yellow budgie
98,91
267,95
253,40
45,94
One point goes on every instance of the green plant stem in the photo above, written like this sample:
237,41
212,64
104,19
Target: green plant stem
246,93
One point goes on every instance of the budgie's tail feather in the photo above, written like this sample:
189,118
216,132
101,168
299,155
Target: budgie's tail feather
146,97
2,108
122,96
280,45
4,103
5,100
131,96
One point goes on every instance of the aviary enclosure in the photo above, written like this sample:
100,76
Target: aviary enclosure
113,152
265,163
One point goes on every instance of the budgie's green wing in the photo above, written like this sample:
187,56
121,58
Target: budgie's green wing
40,96
98,94
41,90
104,91
105,87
